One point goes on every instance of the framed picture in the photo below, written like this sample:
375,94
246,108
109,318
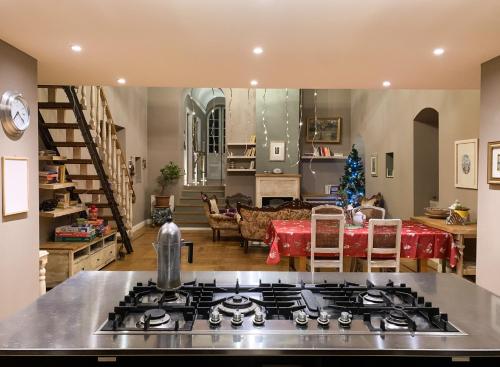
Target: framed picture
374,165
277,151
494,163
14,185
466,163
325,130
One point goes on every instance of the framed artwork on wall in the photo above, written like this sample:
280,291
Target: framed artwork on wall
466,155
325,130
277,151
494,163
374,165
14,185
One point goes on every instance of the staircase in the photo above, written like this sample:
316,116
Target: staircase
81,128
189,211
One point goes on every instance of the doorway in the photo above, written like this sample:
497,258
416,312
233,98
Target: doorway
216,144
425,160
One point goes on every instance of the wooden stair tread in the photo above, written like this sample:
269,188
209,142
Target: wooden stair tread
60,125
69,144
97,205
78,161
84,177
89,191
55,105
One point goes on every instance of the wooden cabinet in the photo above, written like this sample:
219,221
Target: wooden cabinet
68,258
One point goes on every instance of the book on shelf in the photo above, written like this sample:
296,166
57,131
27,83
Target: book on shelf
253,139
252,165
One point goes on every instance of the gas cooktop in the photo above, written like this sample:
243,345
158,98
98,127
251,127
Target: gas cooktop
278,308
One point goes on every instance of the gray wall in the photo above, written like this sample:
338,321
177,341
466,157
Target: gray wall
240,125
329,103
488,242
425,162
19,244
382,121
276,128
129,109
166,123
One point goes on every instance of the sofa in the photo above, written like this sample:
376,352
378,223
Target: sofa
253,222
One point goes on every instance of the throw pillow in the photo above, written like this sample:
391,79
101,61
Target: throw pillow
214,209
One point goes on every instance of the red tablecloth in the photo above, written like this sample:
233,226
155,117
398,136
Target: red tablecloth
418,241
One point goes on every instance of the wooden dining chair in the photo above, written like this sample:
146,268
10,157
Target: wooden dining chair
371,212
327,238
327,209
386,242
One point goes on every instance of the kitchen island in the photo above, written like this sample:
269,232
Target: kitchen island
69,319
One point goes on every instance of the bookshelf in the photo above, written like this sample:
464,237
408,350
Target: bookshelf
57,212
241,157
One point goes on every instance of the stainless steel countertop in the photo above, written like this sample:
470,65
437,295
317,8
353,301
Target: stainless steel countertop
64,320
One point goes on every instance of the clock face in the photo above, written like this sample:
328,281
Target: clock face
19,114
14,114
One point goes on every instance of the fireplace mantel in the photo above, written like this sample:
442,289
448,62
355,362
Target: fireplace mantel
276,185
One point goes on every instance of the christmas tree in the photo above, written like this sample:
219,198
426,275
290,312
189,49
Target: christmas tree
352,184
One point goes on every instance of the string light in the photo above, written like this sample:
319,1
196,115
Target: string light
315,130
301,97
230,121
264,125
287,130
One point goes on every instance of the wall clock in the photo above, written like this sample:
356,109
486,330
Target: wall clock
14,114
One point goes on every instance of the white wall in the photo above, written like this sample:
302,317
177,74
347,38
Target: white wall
19,234
382,121
488,241
129,109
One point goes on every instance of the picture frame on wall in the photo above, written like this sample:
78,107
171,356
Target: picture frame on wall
277,151
325,130
493,163
14,186
374,165
466,159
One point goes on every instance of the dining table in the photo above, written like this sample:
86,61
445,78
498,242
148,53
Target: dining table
292,238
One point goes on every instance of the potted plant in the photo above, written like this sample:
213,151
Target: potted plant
168,175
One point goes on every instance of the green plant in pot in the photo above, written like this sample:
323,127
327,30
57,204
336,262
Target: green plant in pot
168,175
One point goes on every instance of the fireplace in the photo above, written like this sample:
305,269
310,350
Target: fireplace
270,186
275,201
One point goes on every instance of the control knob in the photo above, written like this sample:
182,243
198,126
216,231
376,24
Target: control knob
301,318
214,318
323,319
258,318
345,319
237,319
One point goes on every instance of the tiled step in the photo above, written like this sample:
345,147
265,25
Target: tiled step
197,194
186,200
191,223
78,161
197,217
206,188
189,208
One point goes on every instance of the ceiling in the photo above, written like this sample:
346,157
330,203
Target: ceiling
307,44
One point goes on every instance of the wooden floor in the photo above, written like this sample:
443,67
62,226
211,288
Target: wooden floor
225,254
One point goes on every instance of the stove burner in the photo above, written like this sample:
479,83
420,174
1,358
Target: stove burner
373,297
396,319
237,302
156,316
155,297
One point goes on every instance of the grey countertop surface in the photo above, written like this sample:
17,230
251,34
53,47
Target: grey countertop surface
65,320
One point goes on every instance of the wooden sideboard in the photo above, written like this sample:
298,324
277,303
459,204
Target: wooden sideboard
460,233
65,259
276,185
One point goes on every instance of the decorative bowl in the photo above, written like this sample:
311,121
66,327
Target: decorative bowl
436,212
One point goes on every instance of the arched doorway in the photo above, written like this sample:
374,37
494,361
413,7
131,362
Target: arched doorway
425,159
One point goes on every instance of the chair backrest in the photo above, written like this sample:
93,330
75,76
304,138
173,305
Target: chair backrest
384,238
233,200
371,212
327,209
327,236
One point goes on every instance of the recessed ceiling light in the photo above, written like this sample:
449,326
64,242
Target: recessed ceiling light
438,51
121,81
254,83
76,48
386,83
258,50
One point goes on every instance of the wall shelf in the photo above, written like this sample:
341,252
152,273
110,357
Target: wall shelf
57,186
240,157
51,158
62,212
306,158
244,170
240,144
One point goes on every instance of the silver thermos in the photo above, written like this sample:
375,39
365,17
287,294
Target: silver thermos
168,250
